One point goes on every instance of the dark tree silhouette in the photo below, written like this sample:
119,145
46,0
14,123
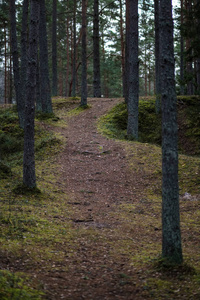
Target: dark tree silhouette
54,50
45,94
96,55
84,55
133,71
16,71
171,236
29,178
157,55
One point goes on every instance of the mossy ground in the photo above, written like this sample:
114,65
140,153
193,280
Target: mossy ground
37,234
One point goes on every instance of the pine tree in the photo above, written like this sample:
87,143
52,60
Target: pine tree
96,55
84,55
171,236
45,94
133,71
29,178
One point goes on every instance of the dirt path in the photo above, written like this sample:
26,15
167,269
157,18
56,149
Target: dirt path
94,174
94,167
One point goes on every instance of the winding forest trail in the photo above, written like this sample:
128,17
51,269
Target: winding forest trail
95,176
94,168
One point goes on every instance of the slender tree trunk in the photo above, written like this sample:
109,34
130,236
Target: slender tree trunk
127,52
29,178
122,48
10,77
171,236
74,54
24,60
181,54
54,50
44,67
5,65
67,71
60,77
84,55
96,55
189,63
198,75
20,106
133,78
157,54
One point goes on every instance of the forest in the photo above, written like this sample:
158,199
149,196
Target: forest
99,149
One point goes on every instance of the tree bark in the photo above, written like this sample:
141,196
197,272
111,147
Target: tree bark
44,66
96,55
14,47
54,50
74,53
133,74
157,55
127,52
84,55
122,47
29,178
171,235
181,54
23,69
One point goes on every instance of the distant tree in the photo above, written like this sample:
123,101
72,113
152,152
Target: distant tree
171,236
45,94
133,71
74,53
126,53
15,54
24,60
157,55
122,46
84,55
54,49
29,178
96,54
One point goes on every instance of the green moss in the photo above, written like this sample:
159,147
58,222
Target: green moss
46,116
5,170
114,124
22,189
76,111
14,286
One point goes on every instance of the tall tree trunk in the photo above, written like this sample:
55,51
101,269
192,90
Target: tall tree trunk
24,60
96,55
171,236
133,78
157,54
29,178
127,52
74,54
189,63
54,50
67,71
20,106
84,55
44,66
122,47
181,54
10,77
5,65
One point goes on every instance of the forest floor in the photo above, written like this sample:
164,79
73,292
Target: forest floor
107,210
